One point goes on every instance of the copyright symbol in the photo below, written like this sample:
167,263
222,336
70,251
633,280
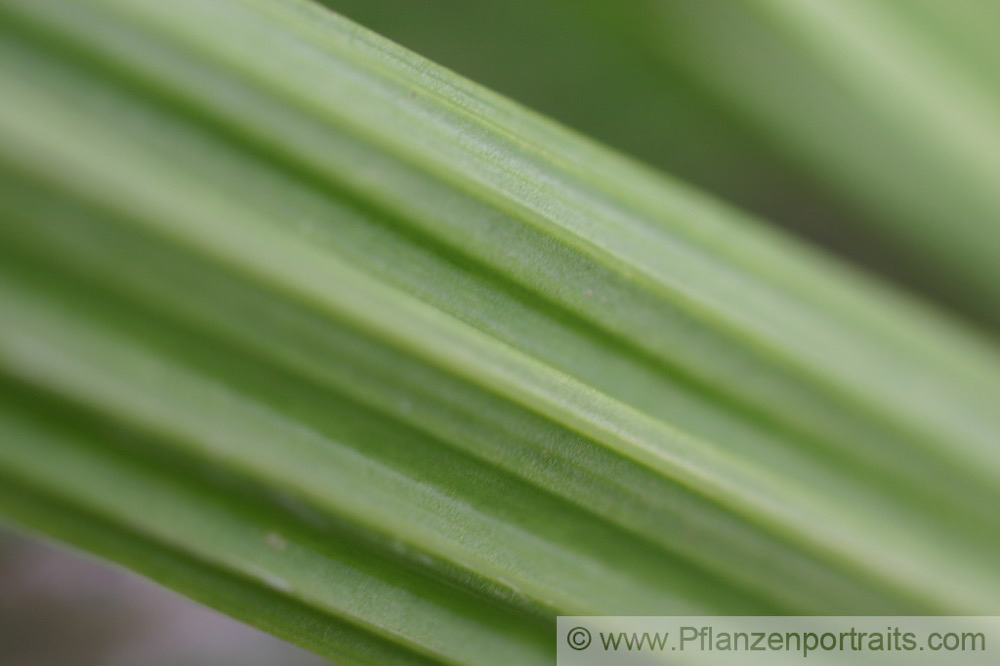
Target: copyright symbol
578,639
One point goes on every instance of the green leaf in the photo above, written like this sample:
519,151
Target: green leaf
341,344
871,127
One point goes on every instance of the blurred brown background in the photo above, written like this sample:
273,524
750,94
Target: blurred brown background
59,608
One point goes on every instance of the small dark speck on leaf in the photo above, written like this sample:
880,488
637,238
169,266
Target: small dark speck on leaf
275,541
